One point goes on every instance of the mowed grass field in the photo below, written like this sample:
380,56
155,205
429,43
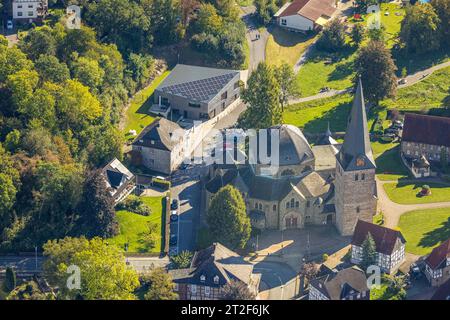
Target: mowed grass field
133,227
425,229
286,46
316,74
137,117
429,93
407,192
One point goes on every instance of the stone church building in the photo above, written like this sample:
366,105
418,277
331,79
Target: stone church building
328,183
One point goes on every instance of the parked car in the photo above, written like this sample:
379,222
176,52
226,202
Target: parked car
398,124
173,216
174,204
9,25
173,239
402,81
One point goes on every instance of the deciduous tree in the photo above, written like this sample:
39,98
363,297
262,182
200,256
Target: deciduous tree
377,70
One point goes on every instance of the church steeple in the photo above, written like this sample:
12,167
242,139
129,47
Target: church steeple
356,152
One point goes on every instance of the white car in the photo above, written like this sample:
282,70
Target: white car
9,25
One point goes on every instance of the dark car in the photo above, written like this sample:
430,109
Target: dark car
173,216
174,204
173,239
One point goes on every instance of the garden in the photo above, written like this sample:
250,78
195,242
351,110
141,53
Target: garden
425,229
141,225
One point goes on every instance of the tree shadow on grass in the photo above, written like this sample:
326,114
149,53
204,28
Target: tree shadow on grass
342,71
389,162
414,62
436,236
337,117
285,38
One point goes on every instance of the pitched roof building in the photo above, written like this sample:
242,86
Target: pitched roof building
304,15
437,264
346,284
210,270
390,245
426,137
159,146
119,180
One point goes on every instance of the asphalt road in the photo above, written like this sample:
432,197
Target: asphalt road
188,192
277,278
21,264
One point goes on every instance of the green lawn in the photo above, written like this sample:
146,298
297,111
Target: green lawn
315,74
313,116
286,46
389,164
133,226
380,293
407,192
137,117
425,229
426,94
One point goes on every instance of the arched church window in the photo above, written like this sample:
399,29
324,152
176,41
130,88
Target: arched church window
292,202
287,205
356,177
260,206
297,204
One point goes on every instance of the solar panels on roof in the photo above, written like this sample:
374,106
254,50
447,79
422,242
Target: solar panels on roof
200,90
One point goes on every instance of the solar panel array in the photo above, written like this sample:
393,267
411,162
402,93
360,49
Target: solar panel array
200,90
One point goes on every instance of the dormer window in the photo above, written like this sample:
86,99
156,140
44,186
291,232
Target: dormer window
216,279
152,141
202,278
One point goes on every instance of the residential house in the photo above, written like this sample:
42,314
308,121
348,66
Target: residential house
197,93
437,264
346,284
390,245
425,136
305,15
211,269
159,146
29,10
119,180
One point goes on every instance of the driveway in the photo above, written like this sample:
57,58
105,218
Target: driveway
257,39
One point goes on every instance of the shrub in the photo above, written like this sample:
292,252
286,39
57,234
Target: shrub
163,184
136,205
325,257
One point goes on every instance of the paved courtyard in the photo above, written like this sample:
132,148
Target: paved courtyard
291,246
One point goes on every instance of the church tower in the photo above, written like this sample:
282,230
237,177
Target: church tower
355,186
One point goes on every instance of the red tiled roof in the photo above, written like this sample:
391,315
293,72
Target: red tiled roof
384,238
426,129
438,255
310,9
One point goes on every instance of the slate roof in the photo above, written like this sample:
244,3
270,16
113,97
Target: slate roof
199,84
338,285
325,156
310,9
293,146
426,129
158,135
116,175
216,260
326,138
439,256
385,238
356,152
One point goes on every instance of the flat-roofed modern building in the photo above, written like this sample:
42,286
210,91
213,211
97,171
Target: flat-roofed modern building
198,93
